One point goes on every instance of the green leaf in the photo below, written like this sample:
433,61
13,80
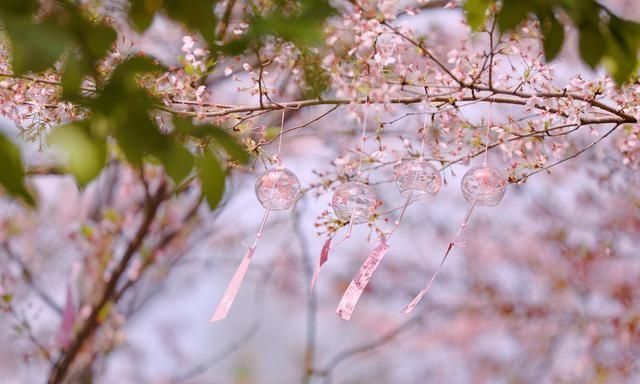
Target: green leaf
85,154
198,15
592,45
34,47
19,7
212,179
72,76
553,36
303,27
97,39
512,13
12,174
623,42
138,136
476,11
141,13
316,79
220,136
178,162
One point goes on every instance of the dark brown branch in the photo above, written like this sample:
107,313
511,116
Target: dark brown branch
90,325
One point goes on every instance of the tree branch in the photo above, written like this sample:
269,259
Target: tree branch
90,325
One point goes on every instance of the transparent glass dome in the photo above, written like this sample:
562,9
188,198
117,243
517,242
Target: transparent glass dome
418,179
354,200
277,189
484,185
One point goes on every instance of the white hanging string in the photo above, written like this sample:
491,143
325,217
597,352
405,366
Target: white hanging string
487,136
424,133
230,293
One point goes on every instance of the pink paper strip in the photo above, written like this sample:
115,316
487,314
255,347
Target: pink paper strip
452,244
63,338
426,289
232,289
361,279
324,256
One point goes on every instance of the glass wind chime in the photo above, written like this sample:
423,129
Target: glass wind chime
482,186
277,189
416,179
355,202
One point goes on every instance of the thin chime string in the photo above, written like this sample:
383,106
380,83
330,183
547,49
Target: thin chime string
424,132
231,292
487,136
415,176
356,287
363,141
454,241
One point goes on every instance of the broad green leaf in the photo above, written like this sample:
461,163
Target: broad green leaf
12,174
304,28
316,78
19,7
212,178
220,136
197,15
84,154
141,13
178,162
127,71
476,11
592,45
97,39
553,36
72,76
512,13
622,46
34,47
138,136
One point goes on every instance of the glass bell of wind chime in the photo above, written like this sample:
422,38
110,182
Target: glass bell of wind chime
417,180
277,189
354,202
483,186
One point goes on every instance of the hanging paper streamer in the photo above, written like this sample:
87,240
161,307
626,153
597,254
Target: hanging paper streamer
232,289
356,287
65,331
324,256
276,189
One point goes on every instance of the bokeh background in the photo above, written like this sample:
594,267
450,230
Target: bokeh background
545,290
